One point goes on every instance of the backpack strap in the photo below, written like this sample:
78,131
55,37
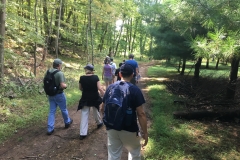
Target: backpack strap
54,72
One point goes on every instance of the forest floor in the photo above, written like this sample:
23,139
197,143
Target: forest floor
33,143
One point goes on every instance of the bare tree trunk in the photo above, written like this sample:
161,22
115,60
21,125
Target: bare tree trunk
118,39
207,63
134,34
197,67
183,66
2,35
59,19
46,29
217,63
231,88
90,26
35,43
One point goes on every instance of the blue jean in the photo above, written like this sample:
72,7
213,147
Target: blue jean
54,101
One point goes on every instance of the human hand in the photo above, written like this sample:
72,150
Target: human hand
145,137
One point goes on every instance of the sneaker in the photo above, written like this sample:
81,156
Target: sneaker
99,125
69,124
82,137
49,133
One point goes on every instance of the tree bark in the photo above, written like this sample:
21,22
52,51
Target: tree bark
35,43
207,63
58,28
197,67
231,88
183,66
216,67
2,35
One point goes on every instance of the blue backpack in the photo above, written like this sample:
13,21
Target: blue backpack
117,112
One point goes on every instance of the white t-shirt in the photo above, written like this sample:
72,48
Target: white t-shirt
114,67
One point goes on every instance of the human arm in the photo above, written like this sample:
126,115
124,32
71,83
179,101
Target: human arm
100,88
143,124
62,83
101,109
102,73
80,87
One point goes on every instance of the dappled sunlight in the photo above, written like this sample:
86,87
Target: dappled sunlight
155,79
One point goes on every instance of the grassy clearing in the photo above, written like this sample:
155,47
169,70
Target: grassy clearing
176,139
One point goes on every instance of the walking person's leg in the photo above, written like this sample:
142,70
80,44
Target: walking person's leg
114,145
62,103
97,117
51,115
84,121
132,143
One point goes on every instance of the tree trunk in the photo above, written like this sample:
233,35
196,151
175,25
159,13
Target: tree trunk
2,35
134,35
90,26
231,88
197,67
216,67
207,63
35,43
118,39
58,27
183,66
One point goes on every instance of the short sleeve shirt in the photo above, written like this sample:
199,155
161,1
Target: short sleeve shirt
133,63
136,99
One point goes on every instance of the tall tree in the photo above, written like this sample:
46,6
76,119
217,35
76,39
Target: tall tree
2,35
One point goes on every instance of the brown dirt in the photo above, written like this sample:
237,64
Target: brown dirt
63,144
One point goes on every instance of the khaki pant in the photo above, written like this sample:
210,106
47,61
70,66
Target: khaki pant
119,139
84,119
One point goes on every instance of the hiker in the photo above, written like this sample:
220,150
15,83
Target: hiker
124,131
134,64
89,84
59,99
107,73
114,67
117,72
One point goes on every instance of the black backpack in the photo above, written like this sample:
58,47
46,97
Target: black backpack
50,87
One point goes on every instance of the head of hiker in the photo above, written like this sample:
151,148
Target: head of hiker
57,63
126,70
89,69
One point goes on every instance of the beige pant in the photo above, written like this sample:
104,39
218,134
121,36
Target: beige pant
119,139
84,119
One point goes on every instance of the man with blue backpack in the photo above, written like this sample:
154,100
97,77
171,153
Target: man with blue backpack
121,107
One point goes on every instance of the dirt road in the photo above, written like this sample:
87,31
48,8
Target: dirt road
64,144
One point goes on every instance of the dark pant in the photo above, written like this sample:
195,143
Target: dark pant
133,80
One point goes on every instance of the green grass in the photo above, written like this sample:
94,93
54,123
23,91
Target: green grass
175,139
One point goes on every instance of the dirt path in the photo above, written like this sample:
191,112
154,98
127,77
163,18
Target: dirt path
64,144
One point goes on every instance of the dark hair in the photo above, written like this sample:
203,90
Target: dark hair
120,64
111,59
131,56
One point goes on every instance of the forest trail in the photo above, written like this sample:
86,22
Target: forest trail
64,144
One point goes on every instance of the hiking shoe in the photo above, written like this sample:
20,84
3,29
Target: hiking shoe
82,137
99,125
49,133
69,124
